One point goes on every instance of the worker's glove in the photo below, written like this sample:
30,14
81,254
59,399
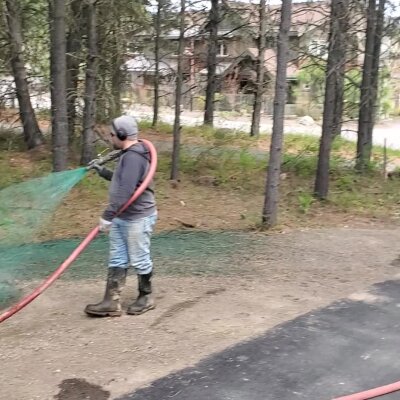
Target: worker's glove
104,225
98,168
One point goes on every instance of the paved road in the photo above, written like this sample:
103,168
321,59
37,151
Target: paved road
347,347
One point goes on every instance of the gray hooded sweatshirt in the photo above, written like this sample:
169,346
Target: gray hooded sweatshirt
130,172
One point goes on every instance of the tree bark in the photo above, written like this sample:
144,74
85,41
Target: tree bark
333,94
270,210
102,100
58,69
340,87
89,117
375,66
74,40
157,62
364,142
178,95
116,74
339,99
255,123
116,108
32,135
212,63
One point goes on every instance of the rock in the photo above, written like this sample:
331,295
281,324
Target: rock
174,184
393,174
306,120
207,181
185,224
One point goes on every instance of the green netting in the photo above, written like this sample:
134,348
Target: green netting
175,253
26,208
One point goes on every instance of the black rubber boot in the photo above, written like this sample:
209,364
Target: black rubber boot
145,301
110,306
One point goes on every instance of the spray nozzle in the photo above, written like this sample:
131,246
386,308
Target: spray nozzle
101,160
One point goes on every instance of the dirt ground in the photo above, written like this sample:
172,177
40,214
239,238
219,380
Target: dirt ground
51,350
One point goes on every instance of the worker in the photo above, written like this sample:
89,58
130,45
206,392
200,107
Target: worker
130,232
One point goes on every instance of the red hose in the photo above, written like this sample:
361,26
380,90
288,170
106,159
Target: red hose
74,255
372,393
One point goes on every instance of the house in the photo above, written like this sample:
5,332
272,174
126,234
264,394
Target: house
237,56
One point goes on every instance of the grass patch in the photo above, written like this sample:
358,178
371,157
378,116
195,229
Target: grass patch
11,140
218,136
17,167
236,164
229,168
161,127
242,169
93,186
365,194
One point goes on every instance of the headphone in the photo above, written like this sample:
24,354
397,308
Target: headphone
121,133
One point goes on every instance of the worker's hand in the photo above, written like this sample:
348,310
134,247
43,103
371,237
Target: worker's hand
104,225
98,168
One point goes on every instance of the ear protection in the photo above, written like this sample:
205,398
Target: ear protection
121,134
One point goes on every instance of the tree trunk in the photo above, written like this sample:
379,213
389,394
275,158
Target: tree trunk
339,98
340,87
375,67
157,62
116,108
102,99
255,123
364,142
212,63
270,210
32,135
89,116
58,69
116,77
178,95
73,60
333,93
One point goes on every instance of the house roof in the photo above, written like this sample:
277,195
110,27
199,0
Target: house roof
141,63
270,63
189,32
221,68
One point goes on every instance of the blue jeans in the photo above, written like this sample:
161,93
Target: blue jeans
130,244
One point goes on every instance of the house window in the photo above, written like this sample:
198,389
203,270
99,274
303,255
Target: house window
222,49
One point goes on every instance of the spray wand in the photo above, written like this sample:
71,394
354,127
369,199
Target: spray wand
112,155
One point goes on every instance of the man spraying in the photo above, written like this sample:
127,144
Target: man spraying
130,232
